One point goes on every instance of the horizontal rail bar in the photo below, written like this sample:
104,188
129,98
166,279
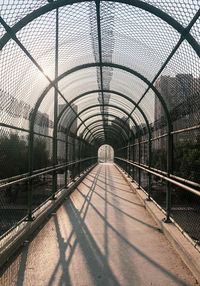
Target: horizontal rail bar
23,179
169,179
171,175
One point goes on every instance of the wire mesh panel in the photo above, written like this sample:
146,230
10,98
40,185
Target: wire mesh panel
14,10
159,154
100,53
14,152
182,11
179,87
187,155
13,164
136,33
186,212
159,191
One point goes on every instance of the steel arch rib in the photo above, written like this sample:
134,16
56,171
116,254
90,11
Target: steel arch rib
101,120
112,92
99,114
98,105
100,125
89,65
136,3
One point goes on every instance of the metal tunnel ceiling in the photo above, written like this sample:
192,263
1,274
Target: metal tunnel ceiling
104,60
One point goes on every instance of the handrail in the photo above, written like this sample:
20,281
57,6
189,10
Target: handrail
26,177
168,179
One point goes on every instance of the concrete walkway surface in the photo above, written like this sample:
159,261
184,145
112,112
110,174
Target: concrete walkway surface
101,235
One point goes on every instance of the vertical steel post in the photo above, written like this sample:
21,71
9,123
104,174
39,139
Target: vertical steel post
149,175
66,162
54,185
169,171
133,156
79,157
128,158
139,161
30,163
73,158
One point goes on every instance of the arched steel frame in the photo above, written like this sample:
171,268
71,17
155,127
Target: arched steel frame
99,105
112,130
127,130
183,31
111,92
116,126
100,120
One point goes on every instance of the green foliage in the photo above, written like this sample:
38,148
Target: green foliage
187,159
14,155
186,163
159,159
40,154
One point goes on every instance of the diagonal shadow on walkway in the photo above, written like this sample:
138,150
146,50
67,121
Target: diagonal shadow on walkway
97,262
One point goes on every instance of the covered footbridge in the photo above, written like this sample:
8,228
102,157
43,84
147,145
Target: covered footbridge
75,76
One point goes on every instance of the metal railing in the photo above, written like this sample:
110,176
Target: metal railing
16,202
179,198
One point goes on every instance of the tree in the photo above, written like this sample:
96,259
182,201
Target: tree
13,156
40,154
187,159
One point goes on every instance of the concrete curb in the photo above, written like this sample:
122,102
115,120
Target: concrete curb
189,253
15,241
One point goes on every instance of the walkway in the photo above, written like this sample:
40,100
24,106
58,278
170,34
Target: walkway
101,235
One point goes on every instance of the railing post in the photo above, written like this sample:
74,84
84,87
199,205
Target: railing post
79,157
73,158
139,161
128,158
30,182
169,171
66,161
149,175
54,183
132,159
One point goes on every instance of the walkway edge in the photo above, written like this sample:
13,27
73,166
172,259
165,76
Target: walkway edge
189,253
12,244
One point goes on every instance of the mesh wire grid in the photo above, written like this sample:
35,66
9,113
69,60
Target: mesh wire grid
130,37
136,33
179,86
13,162
159,154
187,155
182,11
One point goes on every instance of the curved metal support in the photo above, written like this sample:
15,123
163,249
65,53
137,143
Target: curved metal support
98,105
127,131
107,130
107,127
40,99
114,136
112,92
99,114
137,3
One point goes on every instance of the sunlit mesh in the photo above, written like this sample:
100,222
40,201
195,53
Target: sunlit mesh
179,85
135,33
42,51
75,45
182,11
195,31
133,87
78,83
21,84
14,10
